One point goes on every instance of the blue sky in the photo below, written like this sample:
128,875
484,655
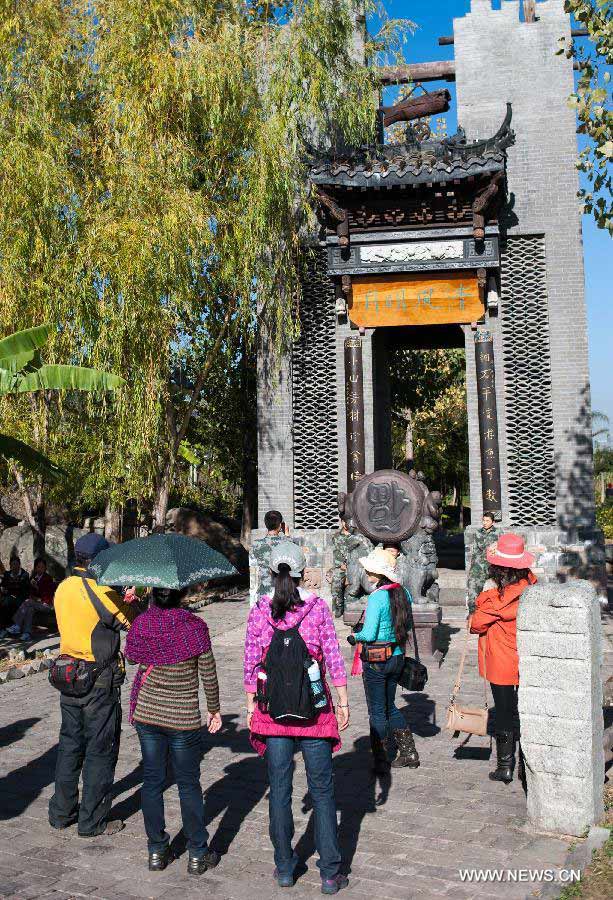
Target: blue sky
434,18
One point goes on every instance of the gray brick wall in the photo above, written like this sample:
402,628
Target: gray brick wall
500,59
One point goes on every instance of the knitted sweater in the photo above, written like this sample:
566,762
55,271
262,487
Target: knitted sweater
168,696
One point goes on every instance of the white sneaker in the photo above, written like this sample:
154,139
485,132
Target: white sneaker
26,636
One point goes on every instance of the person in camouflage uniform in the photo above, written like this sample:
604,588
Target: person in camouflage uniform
340,554
478,572
260,579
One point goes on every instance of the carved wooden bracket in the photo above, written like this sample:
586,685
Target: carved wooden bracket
481,283
346,283
482,203
338,214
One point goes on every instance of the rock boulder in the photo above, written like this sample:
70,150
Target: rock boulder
196,524
59,547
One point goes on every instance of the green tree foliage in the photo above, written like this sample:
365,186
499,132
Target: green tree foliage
429,408
154,196
592,100
603,460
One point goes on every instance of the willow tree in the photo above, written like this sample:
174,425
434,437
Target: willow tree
155,192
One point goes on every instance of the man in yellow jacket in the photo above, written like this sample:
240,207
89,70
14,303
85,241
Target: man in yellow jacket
91,725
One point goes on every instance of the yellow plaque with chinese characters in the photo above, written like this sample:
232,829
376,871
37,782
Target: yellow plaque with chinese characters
412,299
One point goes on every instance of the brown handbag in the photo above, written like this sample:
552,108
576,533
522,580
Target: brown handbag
468,719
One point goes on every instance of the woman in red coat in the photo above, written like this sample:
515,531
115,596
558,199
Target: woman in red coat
495,621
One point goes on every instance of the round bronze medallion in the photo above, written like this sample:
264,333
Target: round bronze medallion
387,506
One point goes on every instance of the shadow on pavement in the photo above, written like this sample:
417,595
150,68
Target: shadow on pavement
132,804
21,787
9,734
420,713
443,637
239,790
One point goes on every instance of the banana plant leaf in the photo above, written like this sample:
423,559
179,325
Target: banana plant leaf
24,341
29,458
162,560
60,378
18,362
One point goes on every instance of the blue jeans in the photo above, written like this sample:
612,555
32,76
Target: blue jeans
317,754
380,683
184,750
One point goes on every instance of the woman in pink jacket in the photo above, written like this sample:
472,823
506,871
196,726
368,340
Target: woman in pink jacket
293,608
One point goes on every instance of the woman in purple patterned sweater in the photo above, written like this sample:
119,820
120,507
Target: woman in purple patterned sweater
291,606
173,649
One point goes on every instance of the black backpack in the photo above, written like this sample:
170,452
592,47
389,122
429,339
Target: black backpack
288,687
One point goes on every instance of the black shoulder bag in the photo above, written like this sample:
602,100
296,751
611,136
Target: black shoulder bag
74,677
414,675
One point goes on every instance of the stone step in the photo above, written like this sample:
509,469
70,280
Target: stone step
452,597
452,578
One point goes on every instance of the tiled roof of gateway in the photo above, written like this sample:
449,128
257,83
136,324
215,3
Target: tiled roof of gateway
437,161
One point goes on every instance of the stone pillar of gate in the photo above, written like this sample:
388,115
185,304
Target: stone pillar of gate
354,411
345,332
485,374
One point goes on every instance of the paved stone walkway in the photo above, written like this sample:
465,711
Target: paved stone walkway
407,836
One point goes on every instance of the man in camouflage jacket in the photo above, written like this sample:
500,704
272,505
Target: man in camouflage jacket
478,573
260,579
341,543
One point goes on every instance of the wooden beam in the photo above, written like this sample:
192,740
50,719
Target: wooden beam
448,39
416,107
428,71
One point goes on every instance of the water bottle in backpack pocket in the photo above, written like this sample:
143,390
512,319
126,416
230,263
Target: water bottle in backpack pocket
261,695
317,685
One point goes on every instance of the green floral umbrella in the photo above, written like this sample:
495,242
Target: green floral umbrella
162,560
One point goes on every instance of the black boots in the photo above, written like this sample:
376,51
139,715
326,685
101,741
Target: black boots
505,753
407,754
159,861
380,761
197,865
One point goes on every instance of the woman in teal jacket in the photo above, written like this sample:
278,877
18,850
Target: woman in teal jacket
387,622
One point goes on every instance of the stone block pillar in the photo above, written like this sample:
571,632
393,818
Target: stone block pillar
559,640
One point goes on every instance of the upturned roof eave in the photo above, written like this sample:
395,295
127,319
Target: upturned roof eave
375,179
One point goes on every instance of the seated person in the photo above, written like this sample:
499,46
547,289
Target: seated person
42,589
14,589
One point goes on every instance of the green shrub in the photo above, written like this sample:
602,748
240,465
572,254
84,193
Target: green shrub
604,517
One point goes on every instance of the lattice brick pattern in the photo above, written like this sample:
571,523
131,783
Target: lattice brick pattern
314,390
529,418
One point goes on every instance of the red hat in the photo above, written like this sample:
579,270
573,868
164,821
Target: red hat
510,551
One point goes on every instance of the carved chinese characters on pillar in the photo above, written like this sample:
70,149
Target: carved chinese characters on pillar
488,422
354,411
